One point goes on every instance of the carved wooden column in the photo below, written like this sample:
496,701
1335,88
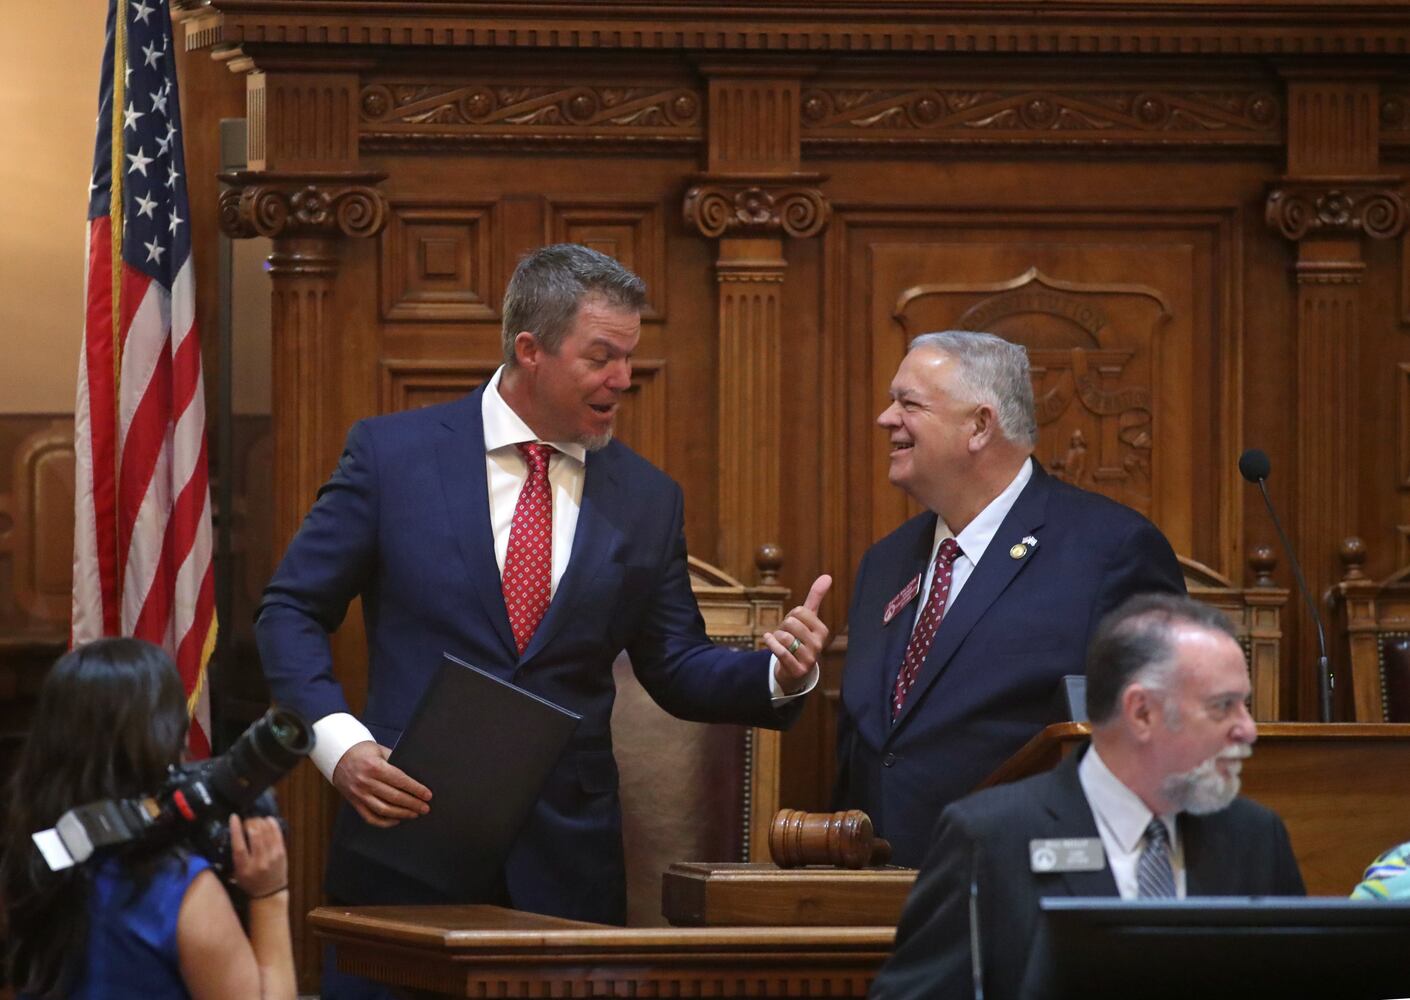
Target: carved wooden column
1331,199
305,193
751,197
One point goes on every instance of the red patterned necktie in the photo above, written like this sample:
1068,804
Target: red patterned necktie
926,624
528,562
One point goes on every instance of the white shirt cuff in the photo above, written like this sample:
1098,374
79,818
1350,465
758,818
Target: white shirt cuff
333,736
776,689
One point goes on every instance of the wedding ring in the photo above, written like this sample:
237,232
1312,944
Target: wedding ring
793,646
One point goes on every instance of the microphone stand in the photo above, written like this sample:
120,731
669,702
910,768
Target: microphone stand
1324,667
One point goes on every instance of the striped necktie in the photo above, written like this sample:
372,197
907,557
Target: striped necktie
1155,876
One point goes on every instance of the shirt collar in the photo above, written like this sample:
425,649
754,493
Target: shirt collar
504,428
1114,805
977,535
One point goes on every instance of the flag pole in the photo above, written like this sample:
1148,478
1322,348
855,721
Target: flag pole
116,219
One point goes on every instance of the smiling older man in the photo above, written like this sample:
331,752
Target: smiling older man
965,618
1149,810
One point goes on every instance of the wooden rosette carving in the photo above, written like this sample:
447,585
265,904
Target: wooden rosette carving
756,209
1297,210
275,205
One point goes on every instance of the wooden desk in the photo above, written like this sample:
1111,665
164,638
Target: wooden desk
1340,789
698,894
487,951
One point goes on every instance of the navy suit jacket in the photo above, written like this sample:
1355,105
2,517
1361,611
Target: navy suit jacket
1240,851
404,523
987,684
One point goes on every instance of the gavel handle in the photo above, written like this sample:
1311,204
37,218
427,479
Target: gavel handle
880,852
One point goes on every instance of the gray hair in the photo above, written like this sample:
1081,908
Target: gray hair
550,284
1135,644
992,371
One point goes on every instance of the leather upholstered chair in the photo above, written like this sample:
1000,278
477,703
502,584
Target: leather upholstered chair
693,792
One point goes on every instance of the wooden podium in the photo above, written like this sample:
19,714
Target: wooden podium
1339,787
487,951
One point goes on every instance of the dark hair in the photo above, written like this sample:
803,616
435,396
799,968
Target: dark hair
1136,642
548,286
111,718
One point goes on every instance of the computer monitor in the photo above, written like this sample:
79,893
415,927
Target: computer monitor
1211,947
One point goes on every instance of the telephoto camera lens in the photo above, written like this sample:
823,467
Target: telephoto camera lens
262,755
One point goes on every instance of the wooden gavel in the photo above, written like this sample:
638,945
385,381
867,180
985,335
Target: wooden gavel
840,839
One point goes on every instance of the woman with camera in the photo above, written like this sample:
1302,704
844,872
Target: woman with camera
146,919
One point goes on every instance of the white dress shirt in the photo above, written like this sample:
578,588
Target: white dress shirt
1122,819
973,540
505,474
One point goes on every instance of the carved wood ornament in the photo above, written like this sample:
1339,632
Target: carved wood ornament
756,208
275,205
784,172
1371,207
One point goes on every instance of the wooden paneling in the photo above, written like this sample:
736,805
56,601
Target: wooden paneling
631,232
41,537
1199,244
1119,310
440,262
36,527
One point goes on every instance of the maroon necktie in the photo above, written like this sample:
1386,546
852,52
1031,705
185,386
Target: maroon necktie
528,562
926,624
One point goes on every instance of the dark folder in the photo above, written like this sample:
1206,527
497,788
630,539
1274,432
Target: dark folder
484,747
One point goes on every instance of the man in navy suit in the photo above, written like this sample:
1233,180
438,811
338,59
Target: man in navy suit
964,619
1149,810
509,528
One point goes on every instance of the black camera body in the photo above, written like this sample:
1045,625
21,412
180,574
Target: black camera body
196,813
195,804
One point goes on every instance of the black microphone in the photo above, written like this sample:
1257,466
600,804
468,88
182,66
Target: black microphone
1254,466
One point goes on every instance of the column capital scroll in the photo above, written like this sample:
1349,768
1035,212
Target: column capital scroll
278,204
1337,207
764,205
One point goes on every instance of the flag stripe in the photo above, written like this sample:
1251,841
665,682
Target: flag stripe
96,481
143,550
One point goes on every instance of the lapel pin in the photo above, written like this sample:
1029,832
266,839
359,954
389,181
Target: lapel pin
1020,550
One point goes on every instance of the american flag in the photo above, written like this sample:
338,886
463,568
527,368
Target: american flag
142,536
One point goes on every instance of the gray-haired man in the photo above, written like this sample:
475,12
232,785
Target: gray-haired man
1152,806
964,619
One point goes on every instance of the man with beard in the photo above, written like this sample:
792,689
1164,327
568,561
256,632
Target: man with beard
1151,806
508,528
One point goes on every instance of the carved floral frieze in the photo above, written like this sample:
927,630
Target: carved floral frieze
1192,114
653,110
287,204
745,208
1296,209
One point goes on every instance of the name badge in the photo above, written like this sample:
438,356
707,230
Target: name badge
1066,854
906,596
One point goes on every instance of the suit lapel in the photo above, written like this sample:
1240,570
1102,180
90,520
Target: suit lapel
1069,815
466,490
594,540
896,633
1205,875
991,577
